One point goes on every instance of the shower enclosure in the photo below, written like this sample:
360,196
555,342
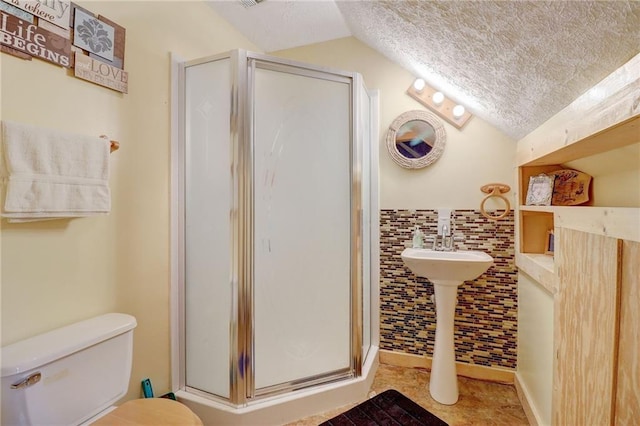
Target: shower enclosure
275,213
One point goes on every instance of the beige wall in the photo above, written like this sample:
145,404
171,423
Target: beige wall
476,155
535,345
58,272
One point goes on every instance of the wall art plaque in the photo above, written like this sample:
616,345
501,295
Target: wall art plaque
101,73
15,11
55,11
92,35
33,40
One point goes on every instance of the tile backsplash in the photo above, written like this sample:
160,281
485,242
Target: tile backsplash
486,314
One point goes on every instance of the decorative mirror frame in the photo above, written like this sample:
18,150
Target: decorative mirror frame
436,150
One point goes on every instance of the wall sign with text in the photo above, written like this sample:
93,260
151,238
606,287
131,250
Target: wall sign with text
65,34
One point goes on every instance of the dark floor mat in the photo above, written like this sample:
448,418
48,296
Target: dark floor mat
387,409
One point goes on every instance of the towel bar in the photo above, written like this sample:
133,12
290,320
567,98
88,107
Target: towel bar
114,145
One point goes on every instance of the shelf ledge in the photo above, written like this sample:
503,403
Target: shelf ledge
544,209
540,267
615,222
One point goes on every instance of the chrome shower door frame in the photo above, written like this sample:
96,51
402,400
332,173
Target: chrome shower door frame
241,324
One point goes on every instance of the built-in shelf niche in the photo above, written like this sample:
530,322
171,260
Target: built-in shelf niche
606,147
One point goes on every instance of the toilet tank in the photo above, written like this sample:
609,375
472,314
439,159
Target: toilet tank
68,375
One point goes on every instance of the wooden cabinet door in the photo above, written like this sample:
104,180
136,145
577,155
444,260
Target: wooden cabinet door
585,329
628,386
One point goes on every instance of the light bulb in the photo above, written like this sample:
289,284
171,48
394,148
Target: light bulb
458,111
419,84
438,98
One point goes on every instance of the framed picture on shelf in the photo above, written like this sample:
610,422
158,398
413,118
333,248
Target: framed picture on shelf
540,190
550,243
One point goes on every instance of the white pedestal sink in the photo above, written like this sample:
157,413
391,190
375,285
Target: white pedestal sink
446,270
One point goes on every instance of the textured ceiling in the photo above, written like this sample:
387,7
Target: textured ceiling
512,63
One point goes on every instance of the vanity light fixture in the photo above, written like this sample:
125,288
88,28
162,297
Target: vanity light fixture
454,113
250,3
438,98
458,111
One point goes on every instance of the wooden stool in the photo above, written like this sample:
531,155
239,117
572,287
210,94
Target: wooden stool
151,411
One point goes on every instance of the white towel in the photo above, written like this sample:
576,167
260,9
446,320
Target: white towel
48,174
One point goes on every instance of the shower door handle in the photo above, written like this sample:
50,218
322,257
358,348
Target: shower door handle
31,380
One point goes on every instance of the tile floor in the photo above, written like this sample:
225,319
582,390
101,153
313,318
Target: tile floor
480,402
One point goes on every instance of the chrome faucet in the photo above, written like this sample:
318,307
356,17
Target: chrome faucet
447,242
444,241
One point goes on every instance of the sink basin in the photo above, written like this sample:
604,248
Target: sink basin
447,265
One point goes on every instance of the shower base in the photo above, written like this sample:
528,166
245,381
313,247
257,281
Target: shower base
286,408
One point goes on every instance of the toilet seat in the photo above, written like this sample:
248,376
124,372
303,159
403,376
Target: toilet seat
150,411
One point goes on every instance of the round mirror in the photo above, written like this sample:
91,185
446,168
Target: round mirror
416,139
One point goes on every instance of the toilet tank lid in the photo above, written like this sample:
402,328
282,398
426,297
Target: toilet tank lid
39,350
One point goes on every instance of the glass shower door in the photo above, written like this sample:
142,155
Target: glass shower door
365,143
302,230
207,227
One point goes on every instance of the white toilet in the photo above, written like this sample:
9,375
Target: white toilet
73,375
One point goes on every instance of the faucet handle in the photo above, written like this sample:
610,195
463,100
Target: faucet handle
456,239
432,240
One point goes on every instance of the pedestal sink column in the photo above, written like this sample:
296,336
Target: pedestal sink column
443,384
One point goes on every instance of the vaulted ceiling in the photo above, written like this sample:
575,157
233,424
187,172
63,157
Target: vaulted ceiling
512,63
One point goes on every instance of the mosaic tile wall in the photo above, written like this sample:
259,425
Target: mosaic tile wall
486,314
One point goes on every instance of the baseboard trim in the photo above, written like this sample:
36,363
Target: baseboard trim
523,396
491,374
